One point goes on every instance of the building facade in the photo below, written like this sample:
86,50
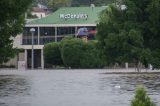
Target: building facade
39,12
53,28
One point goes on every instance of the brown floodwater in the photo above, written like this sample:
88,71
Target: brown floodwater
73,88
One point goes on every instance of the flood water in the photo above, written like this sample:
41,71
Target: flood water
73,88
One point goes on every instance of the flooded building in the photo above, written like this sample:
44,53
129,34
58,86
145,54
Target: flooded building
53,28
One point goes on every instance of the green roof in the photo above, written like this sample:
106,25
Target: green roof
54,18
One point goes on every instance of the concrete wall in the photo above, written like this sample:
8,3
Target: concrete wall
17,41
21,56
14,61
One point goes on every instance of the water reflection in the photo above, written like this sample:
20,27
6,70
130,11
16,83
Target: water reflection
73,88
151,82
128,83
12,87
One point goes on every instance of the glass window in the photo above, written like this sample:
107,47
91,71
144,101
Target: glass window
65,30
47,31
26,31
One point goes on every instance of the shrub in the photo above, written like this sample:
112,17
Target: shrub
91,56
141,98
52,54
79,54
71,52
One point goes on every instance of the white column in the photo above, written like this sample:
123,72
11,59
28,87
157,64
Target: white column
76,29
126,65
55,33
42,59
38,36
150,67
17,60
25,57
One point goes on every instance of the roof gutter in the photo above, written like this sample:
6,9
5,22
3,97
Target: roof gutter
58,25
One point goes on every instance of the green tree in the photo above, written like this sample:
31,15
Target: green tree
121,32
52,54
71,50
152,37
11,23
141,98
77,53
91,56
88,2
55,4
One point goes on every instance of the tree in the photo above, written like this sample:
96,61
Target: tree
11,23
79,54
121,32
141,98
55,4
152,37
52,54
88,2
91,56
71,50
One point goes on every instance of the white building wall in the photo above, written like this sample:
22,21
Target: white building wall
17,41
11,62
39,14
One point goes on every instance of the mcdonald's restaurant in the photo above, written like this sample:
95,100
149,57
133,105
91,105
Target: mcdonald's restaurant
67,21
